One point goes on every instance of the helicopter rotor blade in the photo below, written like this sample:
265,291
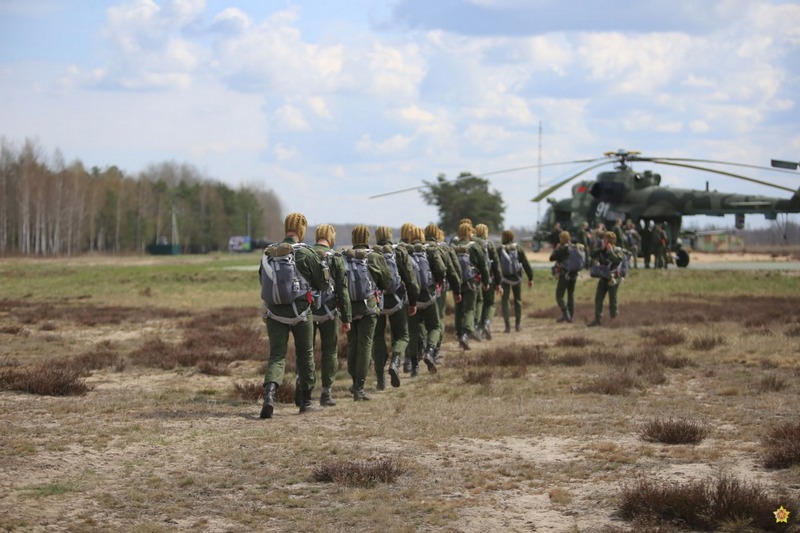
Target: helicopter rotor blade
563,182
515,169
712,161
715,171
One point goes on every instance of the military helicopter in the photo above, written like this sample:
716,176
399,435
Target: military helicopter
626,194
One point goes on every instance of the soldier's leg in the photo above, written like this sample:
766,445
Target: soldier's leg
278,334
599,296
398,322
504,305
379,351
561,288
478,308
612,301
303,333
431,320
329,344
414,341
489,305
518,305
571,297
469,299
352,348
366,335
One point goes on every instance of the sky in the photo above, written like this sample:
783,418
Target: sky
330,102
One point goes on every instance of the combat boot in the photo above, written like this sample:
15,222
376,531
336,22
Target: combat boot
487,331
325,398
427,358
414,367
298,394
518,327
406,365
474,336
508,328
569,317
380,380
358,392
269,400
564,316
594,323
306,405
394,370
462,341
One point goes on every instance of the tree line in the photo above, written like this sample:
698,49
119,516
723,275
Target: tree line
48,207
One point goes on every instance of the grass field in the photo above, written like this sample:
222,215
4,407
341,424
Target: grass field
129,401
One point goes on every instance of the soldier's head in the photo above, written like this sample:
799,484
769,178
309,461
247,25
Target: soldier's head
611,237
431,232
464,231
296,223
417,235
326,232
405,231
440,235
618,222
508,236
360,235
465,221
482,231
383,233
564,237
585,225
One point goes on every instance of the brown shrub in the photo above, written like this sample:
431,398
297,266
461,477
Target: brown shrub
570,359
155,353
772,383
46,379
663,336
782,446
673,431
575,341
617,383
707,504
707,341
478,377
359,473
248,391
514,355
212,368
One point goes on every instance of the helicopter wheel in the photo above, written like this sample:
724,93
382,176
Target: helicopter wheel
537,246
682,258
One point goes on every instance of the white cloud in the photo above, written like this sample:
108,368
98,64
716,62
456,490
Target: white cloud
291,118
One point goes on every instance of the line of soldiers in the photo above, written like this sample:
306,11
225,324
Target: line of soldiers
414,307
651,241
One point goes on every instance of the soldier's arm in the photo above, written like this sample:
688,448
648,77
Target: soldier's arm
438,268
480,262
497,276
339,272
406,270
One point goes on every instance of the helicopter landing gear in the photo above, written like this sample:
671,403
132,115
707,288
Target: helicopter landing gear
682,258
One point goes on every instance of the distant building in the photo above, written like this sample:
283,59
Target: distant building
718,242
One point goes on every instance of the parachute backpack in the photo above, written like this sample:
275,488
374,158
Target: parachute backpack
281,281
326,300
422,268
469,274
625,265
576,260
389,253
360,283
510,266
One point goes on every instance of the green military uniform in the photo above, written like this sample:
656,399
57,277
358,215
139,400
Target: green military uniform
611,258
484,312
658,239
512,283
281,320
465,309
452,280
365,317
424,327
395,310
566,283
334,306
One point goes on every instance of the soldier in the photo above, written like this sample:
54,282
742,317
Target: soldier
367,275
619,231
512,270
646,235
632,241
567,276
608,255
474,277
288,304
435,237
658,239
553,238
397,307
583,237
334,305
485,313
424,328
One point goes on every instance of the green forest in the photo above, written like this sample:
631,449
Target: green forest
50,207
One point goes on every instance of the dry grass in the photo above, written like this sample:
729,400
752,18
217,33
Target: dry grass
51,378
167,436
